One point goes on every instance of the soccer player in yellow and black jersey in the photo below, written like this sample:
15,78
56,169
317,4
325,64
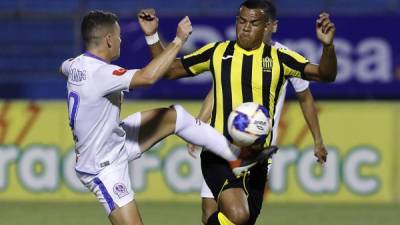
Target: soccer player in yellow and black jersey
242,75
244,70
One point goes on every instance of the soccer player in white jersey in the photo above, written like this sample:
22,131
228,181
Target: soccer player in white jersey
307,104
104,144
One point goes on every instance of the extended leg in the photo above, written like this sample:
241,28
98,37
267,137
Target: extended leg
159,123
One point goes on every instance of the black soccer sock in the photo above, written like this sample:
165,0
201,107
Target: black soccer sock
213,219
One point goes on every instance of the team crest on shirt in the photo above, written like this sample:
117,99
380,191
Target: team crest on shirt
119,72
120,190
267,64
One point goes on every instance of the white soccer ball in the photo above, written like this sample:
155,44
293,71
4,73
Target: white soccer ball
249,124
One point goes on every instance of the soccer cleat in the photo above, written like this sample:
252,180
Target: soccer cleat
242,165
266,154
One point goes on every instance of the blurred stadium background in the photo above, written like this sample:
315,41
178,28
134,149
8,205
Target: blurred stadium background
359,115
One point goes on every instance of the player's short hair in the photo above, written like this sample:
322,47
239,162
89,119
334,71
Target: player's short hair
94,21
267,6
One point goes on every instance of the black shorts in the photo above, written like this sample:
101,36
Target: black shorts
218,176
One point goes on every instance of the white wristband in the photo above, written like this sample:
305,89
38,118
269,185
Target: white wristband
152,39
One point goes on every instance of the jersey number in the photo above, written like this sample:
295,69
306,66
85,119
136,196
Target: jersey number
73,104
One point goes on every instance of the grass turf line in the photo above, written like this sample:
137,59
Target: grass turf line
167,213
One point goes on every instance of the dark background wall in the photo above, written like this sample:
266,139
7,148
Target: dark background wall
38,35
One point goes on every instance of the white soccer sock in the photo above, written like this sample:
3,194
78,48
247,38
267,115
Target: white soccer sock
202,134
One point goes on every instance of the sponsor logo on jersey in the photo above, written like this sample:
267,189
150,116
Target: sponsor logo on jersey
104,164
119,72
267,64
76,75
198,122
227,57
120,190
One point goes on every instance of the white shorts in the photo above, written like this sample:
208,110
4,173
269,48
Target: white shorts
112,186
205,190
131,125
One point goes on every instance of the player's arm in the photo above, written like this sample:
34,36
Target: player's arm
310,113
148,21
206,107
65,66
161,63
327,69
176,69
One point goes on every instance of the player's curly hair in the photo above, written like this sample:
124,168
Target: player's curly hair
267,6
95,20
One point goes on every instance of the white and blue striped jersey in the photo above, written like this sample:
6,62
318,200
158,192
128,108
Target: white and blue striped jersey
95,91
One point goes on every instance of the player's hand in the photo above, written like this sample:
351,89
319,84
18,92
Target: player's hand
192,149
148,21
321,153
184,29
325,29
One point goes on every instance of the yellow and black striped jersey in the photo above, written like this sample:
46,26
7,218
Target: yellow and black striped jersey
244,76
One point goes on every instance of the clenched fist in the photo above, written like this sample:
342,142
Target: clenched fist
184,29
148,21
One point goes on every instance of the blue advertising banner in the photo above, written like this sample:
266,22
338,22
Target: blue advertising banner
367,47
368,54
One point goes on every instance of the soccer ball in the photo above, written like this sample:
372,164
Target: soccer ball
249,124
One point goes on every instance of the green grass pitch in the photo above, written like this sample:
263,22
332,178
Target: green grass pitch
155,213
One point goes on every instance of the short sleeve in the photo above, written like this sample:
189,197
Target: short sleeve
65,66
293,63
112,78
298,84
198,61
278,45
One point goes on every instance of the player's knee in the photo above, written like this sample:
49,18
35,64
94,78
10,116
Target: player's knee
178,109
167,115
204,218
206,215
208,206
237,214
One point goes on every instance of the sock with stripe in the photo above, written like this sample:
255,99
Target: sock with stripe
199,133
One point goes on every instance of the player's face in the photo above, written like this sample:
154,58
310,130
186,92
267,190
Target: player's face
251,25
115,41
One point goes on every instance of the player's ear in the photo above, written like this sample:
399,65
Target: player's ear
267,28
108,40
274,26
